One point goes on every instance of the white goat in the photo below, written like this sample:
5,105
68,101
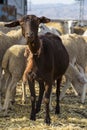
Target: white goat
76,47
44,29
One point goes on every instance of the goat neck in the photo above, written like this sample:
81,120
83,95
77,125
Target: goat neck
35,46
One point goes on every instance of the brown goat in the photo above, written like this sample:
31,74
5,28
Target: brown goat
50,57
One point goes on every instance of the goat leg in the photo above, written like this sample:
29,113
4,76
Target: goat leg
57,110
41,92
33,99
48,88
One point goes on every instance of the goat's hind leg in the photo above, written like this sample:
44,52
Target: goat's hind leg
57,109
1,85
4,79
48,89
9,92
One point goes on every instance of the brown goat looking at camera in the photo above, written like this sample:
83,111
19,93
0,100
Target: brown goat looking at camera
50,59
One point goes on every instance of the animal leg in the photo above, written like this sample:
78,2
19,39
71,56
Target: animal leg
48,88
9,91
66,86
23,93
50,103
57,110
41,92
84,93
8,80
33,99
3,81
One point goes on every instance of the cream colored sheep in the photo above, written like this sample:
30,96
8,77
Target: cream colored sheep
77,80
14,64
6,41
74,45
77,49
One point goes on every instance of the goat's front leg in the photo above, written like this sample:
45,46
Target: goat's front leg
33,99
41,92
48,88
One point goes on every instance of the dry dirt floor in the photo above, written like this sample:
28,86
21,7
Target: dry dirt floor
73,115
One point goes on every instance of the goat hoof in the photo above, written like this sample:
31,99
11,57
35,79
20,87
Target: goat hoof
47,121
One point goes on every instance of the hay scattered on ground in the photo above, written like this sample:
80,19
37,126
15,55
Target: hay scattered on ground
73,114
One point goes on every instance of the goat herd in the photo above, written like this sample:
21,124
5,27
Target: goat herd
47,58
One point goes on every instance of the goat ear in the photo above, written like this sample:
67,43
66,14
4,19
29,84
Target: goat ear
12,24
44,19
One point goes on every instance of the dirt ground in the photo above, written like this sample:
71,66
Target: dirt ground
73,114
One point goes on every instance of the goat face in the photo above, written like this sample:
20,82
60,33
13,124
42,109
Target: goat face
29,25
